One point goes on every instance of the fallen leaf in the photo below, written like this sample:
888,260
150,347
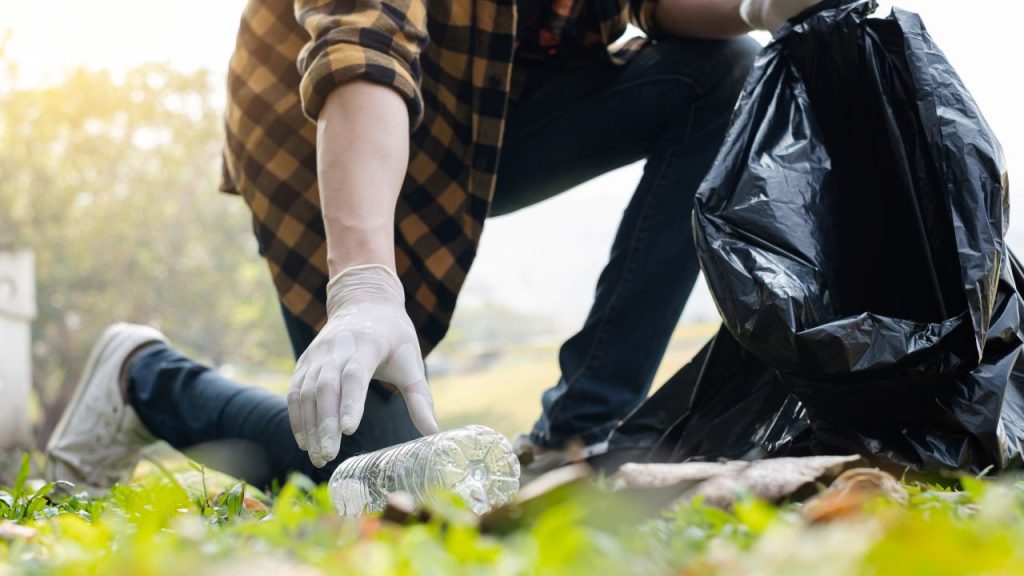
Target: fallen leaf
721,483
771,479
662,475
850,492
254,505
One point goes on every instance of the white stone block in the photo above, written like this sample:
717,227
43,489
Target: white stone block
17,311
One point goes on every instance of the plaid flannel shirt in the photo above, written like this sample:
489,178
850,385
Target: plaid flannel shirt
290,54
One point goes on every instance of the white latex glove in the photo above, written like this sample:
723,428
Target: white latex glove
772,14
368,335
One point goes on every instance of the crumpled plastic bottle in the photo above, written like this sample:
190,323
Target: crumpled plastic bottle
474,462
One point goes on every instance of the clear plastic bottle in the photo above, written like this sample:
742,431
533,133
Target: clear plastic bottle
474,462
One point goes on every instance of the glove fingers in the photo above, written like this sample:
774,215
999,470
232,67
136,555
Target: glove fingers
307,398
295,408
328,399
405,370
355,381
421,407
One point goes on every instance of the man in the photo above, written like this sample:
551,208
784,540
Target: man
425,119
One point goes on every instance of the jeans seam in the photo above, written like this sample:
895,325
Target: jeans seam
627,274
629,266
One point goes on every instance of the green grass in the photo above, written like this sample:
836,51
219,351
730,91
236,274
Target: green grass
180,519
163,525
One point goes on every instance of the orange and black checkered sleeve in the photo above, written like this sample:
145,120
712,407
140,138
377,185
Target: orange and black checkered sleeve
375,40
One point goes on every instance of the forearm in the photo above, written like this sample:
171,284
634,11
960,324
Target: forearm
700,18
362,158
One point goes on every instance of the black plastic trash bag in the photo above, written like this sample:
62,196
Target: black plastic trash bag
851,232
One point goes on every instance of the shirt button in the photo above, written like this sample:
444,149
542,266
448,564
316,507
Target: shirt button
482,164
494,82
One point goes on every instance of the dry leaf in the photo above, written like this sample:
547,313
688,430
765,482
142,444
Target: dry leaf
850,492
720,483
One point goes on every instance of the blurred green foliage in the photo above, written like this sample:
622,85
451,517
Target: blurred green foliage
163,526
112,182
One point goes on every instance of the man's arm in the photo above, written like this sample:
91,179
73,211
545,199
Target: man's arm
724,18
362,155
700,18
365,98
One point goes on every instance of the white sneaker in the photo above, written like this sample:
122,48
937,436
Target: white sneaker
98,440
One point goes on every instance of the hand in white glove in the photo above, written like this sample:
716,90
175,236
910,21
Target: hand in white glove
368,335
772,14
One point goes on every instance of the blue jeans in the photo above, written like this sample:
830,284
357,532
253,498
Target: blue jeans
670,105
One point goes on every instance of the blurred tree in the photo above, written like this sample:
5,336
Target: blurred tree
111,180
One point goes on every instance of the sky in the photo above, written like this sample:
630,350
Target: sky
544,259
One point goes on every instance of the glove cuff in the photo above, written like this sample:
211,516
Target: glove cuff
364,283
751,13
